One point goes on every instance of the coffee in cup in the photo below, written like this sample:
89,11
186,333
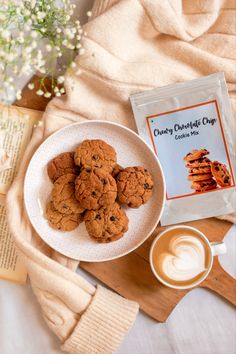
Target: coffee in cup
181,257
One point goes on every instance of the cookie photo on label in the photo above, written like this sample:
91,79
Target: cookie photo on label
191,146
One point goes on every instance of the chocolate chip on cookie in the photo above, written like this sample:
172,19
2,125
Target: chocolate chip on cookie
116,170
200,177
63,195
134,186
95,188
61,165
199,170
202,186
195,155
221,174
95,154
61,221
202,162
106,224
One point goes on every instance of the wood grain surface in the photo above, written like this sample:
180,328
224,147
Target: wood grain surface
131,276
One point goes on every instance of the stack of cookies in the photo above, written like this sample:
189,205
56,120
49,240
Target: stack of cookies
204,174
89,186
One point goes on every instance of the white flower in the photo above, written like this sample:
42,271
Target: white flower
31,86
34,45
34,34
27,28
10,57
73,65
28,50
47,94
89,13
56,89
48,48
58,94
27,12
81,51
58,30
32,3
60,79
42,70
41,15
62,90
6,34
40,92
18,95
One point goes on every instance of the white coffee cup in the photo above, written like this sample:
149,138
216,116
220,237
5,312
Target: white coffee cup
212,249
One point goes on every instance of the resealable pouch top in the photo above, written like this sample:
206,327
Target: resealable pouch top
191,128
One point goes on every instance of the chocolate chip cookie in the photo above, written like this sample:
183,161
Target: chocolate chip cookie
106,224
200,177
134,186
221,174
95,188
199,170
195,155
95,154
202,162
61,165
61,221
202,186
63,195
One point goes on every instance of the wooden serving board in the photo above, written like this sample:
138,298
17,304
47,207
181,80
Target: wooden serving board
131,276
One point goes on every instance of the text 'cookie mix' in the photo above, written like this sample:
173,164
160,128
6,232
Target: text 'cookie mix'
89,185
191,121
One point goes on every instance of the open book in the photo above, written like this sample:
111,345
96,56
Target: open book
16,127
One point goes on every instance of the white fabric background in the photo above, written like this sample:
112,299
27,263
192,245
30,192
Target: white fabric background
202,323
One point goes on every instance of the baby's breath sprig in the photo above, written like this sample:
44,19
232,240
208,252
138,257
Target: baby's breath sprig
34,36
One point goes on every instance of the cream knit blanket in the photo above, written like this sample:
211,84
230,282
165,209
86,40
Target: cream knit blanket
130,46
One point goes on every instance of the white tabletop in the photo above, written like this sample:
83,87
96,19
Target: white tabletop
202,323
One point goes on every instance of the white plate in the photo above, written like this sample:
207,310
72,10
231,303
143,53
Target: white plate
131,151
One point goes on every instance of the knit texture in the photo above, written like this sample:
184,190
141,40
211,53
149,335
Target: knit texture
131,46
107,318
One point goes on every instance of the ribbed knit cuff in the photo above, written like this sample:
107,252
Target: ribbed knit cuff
103,325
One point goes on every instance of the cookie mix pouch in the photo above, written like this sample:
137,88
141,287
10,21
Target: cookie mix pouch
191,128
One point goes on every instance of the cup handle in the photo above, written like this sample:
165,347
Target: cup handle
218,248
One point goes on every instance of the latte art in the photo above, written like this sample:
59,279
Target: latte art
184,260
181,257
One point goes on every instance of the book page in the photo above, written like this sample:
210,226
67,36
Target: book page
11,268
16,127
